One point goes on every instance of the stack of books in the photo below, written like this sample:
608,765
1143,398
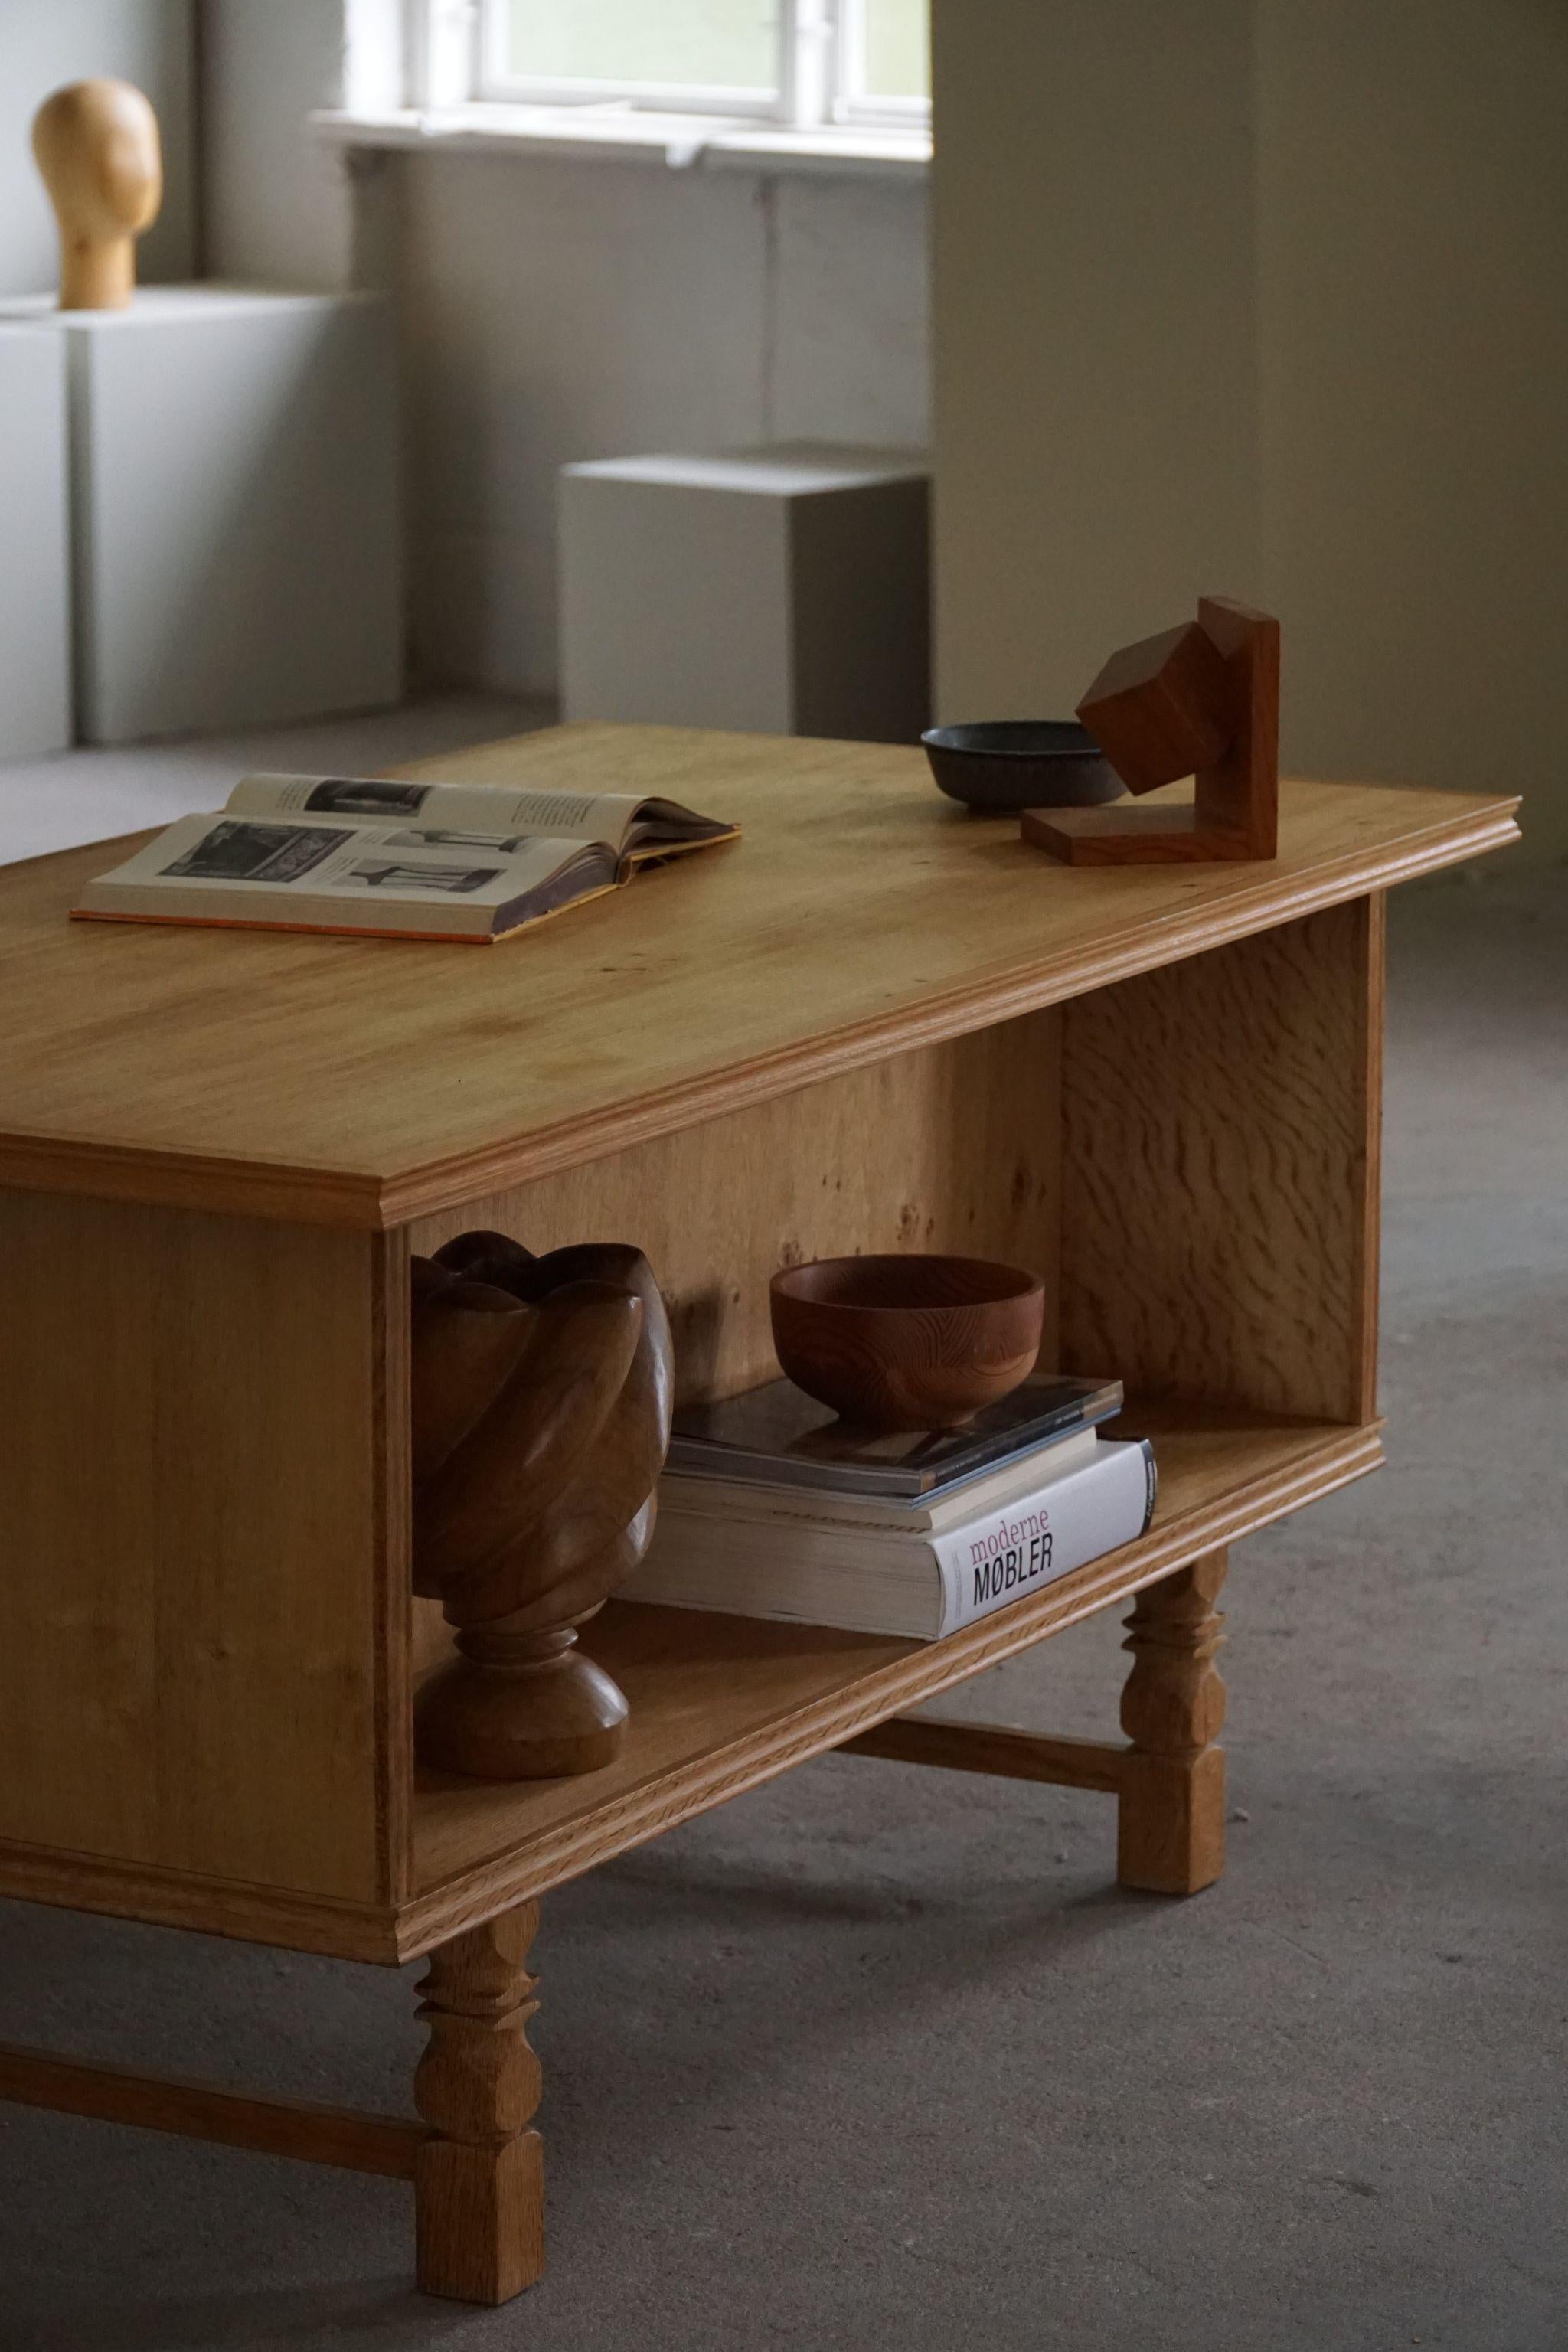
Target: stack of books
770,1508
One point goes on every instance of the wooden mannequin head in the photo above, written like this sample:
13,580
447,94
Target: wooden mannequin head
97,147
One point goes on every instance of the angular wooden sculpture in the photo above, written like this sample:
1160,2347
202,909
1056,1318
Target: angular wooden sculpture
1201,700
96,145
542,1397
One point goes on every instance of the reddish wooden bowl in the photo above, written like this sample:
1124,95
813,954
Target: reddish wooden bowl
907,1342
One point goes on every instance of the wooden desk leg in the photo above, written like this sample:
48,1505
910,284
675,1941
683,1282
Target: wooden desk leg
1170,1809
479,2185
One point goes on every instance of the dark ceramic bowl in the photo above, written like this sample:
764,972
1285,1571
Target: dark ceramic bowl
909,1342
1001,765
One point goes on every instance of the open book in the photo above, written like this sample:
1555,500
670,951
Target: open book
401,860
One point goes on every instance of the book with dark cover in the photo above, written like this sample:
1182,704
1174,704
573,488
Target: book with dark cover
778,1436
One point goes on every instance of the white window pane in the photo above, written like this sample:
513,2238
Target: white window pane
722,44
898,48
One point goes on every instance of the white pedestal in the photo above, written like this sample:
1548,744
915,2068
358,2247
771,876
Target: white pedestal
35,563
781,589
234,508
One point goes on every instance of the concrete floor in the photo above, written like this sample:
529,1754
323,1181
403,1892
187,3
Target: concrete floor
880,2057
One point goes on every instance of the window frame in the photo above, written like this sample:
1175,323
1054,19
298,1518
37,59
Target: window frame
851,102
819,44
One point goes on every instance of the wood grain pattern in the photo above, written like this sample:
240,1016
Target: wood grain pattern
994,1749
1239,791
1159,709
387,2145
916,1341
391,1539
1169,1837
953,1147
1203,698
1120,836
1366,1212
1219,1220
479,2187
956,1146
542,1388
209,1905
188,1607
371,1082
719,1703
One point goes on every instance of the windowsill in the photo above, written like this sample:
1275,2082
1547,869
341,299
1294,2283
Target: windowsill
683,141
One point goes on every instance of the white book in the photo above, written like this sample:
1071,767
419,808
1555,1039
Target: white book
903,1515
918,1586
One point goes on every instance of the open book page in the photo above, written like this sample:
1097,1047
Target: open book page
483,816
310,872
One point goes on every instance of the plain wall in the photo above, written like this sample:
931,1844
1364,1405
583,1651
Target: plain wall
554,310
558,310
1414,249
1095,291
279,200
44,43
1279,307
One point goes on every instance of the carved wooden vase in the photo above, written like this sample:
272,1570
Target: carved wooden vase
541,1396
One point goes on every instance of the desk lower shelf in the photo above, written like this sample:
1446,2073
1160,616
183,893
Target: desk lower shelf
719,1704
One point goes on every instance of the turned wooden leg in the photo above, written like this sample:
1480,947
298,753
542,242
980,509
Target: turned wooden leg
1170,1809
478,2189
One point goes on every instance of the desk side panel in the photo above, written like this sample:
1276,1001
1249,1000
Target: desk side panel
194,1536
1221,1126
950,1147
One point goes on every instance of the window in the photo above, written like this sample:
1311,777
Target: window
887,59
805,62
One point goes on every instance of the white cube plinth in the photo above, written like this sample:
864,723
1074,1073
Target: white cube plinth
781,589
35,563
235,510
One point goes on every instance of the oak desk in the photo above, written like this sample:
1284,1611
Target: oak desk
877,1023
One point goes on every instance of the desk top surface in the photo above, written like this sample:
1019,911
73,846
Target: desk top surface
364,1082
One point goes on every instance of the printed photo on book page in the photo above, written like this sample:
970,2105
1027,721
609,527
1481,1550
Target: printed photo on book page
630,823
308,872
414,860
